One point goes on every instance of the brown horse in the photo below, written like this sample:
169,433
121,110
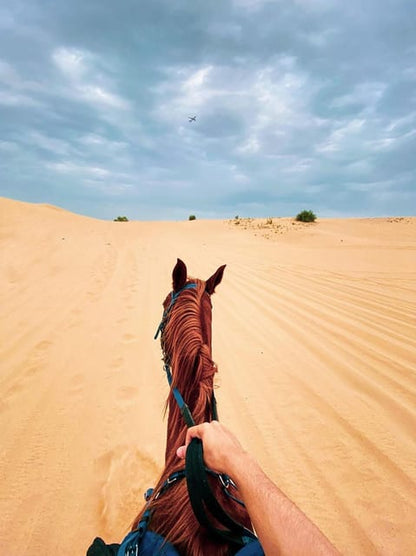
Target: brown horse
186,345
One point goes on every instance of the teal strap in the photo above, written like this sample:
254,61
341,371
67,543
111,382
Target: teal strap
184,409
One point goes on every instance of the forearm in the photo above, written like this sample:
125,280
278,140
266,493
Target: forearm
281,526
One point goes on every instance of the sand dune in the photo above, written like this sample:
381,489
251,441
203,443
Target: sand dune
313,333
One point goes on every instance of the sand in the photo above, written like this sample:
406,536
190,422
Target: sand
313,334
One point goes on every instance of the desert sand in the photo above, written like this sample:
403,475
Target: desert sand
313,334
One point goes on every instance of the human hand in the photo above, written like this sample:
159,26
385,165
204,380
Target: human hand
221,447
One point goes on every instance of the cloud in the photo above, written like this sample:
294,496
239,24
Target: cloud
345,135
13,98
364,97
71,62
260,107
99,143
85,80
8,74
68,167
15,90
52,144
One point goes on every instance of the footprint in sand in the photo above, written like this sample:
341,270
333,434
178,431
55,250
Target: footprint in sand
42,346
129,338
28,370
77,384
117,363
128,395
34,363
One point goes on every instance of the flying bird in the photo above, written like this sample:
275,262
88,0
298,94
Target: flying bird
192,118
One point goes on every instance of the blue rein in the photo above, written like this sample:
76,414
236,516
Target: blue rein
184,409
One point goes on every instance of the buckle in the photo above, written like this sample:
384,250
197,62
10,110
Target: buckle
224,480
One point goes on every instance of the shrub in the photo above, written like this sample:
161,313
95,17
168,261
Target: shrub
121,219
306,216
192,217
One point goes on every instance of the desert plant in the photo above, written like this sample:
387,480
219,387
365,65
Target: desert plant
192,217
306,216
121,219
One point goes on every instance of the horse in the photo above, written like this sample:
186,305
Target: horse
186,340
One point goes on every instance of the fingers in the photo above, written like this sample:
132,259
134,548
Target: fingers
191,433
195,432
198,431
221,448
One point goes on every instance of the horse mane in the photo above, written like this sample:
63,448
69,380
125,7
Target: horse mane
186,343
190,360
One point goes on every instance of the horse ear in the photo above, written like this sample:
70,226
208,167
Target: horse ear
179,276
215,279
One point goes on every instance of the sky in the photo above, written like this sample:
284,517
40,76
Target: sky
299,104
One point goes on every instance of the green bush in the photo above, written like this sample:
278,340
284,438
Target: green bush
192,217
306,216
121,219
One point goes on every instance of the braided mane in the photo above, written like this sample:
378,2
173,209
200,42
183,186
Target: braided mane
186,345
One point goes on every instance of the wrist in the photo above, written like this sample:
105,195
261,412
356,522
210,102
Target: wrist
240,465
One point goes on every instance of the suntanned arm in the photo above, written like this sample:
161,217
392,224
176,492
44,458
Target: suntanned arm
280,525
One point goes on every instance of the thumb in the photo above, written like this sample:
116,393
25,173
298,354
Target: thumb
181,451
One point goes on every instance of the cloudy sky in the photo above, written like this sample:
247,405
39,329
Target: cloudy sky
300,104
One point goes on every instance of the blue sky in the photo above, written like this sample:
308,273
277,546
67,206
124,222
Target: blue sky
300,104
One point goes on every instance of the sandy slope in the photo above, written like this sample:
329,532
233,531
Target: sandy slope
314,335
